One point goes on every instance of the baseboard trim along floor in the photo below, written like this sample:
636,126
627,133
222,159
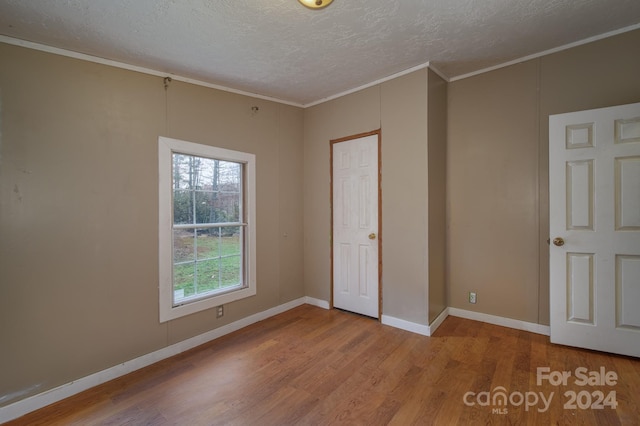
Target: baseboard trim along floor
502,321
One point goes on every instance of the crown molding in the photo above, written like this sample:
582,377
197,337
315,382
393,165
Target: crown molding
547,52
144,70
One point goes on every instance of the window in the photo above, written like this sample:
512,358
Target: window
206,227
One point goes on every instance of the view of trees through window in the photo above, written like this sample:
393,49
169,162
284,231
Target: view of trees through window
207,226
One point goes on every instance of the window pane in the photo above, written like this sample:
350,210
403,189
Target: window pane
213,259
183,281
182,207
228,205
183,249
208,275
216,207
228,177
230,197
208,244
230,271
206,211
184,171
208,188
230,238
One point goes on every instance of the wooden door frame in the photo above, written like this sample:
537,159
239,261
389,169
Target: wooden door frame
345,139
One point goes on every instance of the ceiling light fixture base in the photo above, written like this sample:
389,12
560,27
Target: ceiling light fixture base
315,4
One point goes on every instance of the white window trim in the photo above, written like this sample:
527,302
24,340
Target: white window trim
166,148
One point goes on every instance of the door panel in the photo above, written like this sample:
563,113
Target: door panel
594,175
355,225
628,194
580,287
627,292
580,195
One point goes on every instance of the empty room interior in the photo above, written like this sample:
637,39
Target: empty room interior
320,212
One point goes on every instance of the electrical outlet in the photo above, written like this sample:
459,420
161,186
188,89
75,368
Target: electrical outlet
472,297
220,311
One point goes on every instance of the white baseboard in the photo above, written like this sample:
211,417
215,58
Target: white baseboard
476,316
425,330
35,402
406,325
502,321
439,319
316,302
413,327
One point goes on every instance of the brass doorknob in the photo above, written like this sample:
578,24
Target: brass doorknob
558,242
372,236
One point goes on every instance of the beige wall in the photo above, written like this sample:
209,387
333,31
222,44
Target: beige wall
405,198
492,192
498,169
79,208
399,108
437,153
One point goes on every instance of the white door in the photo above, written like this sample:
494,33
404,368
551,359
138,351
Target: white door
355,177
594,172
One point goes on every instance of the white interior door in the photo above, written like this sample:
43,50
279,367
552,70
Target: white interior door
355,225
594,172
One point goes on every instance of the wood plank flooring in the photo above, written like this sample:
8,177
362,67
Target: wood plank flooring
310,366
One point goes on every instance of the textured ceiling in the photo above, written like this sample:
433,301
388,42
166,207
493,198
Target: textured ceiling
279,48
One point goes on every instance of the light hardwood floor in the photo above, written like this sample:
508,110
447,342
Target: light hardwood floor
310,366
